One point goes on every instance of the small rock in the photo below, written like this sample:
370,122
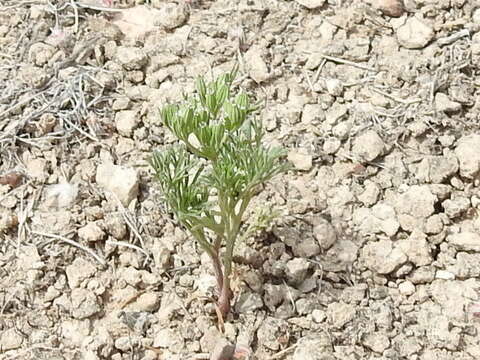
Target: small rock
274,295
121,181
443,103
319,316
434,224
414,34
248,302
334,87
173,15
393,8
126,121
61,195
417,201
331,146
368,146
465,241
307,247
437,169
116,226
311,4
324,233
300,160
377,342
380,218
169,339
10,339
444,275
296,270
456,207
257,68
29,258
312,114
84,303
340,314
335,113
131,58
78,271
382,257
422,275
147,302
417,248
91,232
406,288
126,343
468,155
318,347
37,169
370,195
206,284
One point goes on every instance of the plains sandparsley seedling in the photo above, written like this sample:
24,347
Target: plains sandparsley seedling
209,180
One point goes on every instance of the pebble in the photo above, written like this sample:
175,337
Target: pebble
368,146
296,270
406,288
443,103
173,15
78,271
91,232
468,155
393,8
311,4
126,121
300,160
121,181
257,68
414,34
465,241
131,58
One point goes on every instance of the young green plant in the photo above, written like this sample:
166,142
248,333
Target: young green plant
210,178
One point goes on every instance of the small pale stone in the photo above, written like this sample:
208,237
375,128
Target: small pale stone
169,339
368,146
78,271
300,160
466,241
444,275
10,339
334,87
91,232
340,313
377,342
443,103
414,34
173,15
131,58
126,121
406,288
468,155
248,302
393,8
331,146
121,181
147,302
318,316
257,68
311,4
84,303
297,270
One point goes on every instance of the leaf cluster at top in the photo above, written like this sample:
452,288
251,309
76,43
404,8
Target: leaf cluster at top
221,155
